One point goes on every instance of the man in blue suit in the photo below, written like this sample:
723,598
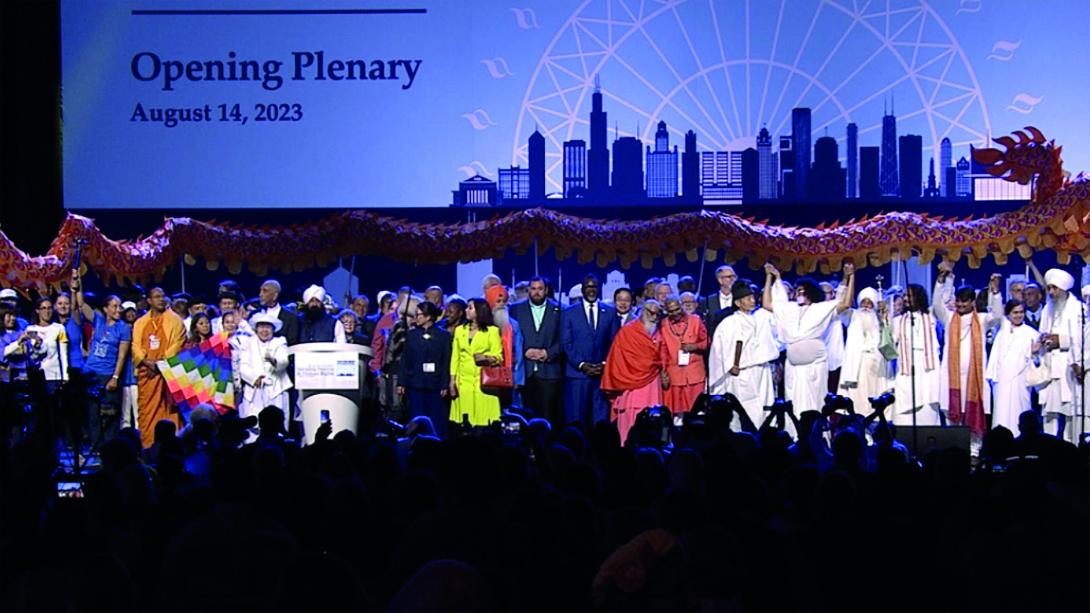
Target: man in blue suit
586,332
539,319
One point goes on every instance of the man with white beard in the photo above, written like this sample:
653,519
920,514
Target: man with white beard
866,373
802,325
743,354
1061,339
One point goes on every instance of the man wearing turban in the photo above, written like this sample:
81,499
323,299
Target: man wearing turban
1061,338
510,333
865,373
315,325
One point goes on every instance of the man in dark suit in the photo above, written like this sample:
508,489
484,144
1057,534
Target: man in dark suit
624,301
539,319
718,306
270,303
586,332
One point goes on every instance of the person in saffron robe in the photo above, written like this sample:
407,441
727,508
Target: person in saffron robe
743,355
802,326
157,335
684,341
633,376
964,396
511,337
1011,356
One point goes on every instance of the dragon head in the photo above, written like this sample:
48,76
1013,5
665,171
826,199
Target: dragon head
1023,159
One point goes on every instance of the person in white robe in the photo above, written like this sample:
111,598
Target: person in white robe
1081,416
866,373
834,338
964,311
1061,338
918,380
263,368
1011,357
802,325
744,351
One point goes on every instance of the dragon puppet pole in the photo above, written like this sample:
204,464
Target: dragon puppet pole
912,358
703,263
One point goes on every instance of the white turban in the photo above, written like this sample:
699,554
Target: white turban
868,293
1060,278
314,291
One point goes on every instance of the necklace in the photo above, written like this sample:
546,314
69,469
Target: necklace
684,329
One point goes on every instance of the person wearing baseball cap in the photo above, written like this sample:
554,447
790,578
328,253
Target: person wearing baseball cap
10,297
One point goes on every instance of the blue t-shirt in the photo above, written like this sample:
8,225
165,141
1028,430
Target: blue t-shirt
75,343
105,345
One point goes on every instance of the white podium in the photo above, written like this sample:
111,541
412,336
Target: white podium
330,378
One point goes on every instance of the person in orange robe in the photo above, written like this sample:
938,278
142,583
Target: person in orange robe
633,377
157,335
684,341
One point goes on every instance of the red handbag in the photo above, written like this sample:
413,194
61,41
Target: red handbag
497,379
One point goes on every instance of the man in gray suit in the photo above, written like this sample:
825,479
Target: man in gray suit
718,306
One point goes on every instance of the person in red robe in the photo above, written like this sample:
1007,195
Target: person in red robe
684,341
633,377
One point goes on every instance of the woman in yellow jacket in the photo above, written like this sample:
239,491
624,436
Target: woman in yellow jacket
476,344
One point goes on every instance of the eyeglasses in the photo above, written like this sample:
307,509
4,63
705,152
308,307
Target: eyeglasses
45,308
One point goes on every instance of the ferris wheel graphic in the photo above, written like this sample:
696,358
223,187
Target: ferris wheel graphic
725,69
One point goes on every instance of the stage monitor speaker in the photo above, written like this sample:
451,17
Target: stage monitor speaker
934,437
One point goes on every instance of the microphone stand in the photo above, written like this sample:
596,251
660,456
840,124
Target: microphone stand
912,361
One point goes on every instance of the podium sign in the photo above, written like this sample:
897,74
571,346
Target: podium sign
332,370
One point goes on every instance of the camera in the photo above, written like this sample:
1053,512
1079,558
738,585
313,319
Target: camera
69,489
781,407
834,403
879,403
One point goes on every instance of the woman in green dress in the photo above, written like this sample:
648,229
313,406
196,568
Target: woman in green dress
476,344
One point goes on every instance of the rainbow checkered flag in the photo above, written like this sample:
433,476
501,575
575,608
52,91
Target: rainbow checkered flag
201,374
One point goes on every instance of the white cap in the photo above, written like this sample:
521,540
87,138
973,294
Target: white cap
265,317
128,304
8,294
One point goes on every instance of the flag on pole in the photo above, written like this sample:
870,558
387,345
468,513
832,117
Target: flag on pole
201,374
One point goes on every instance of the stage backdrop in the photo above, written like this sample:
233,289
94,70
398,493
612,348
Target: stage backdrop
219,104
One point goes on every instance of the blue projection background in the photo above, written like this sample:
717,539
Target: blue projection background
394,109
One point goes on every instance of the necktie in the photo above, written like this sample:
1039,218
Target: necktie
592,318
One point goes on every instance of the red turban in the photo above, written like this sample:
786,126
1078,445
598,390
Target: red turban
492,294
